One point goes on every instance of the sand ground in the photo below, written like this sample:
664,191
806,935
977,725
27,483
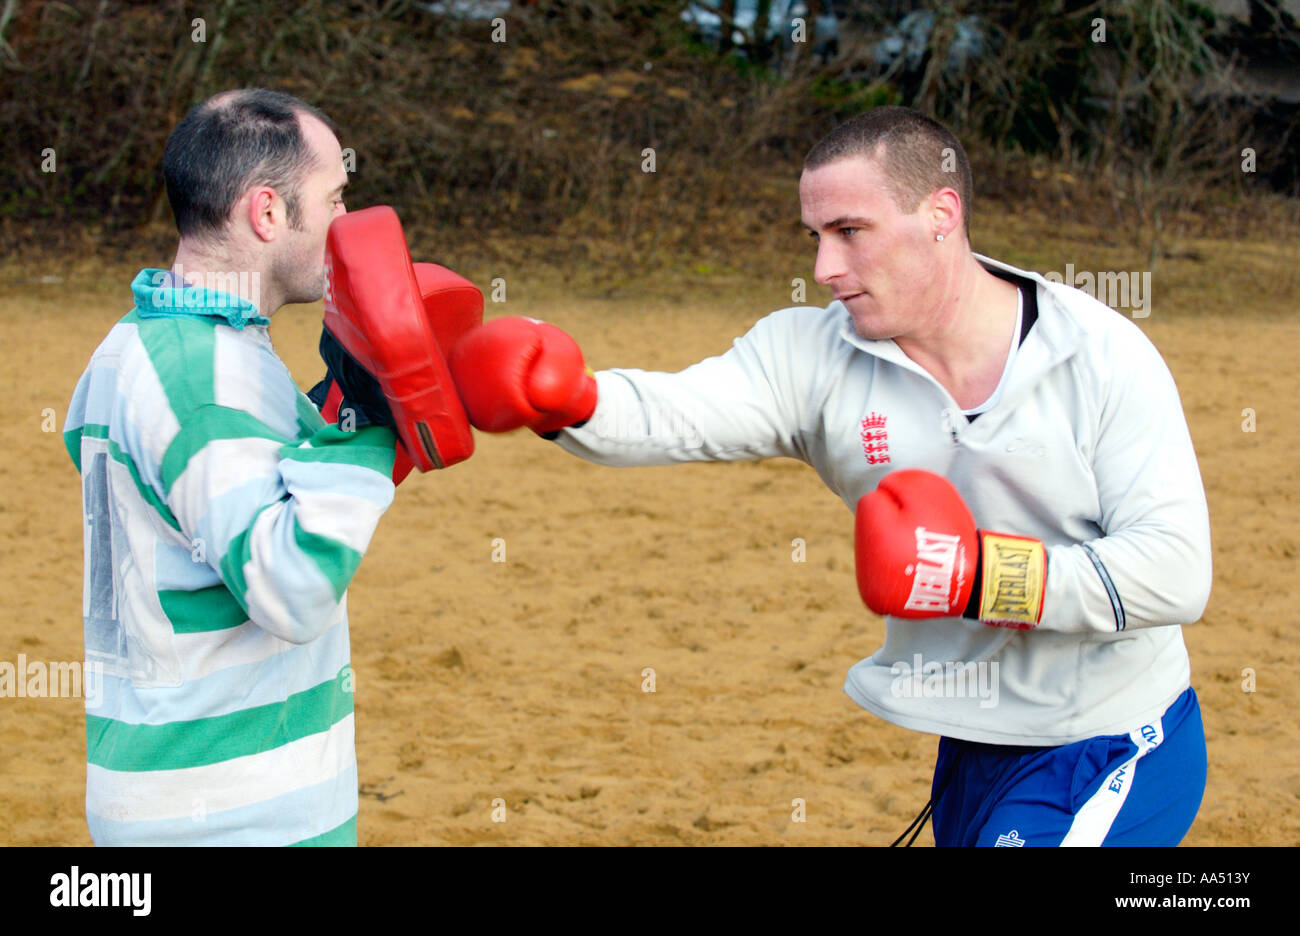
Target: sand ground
522,680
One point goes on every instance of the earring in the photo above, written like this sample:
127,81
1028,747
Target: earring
938,237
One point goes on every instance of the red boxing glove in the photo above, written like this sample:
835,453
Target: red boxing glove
514,372
920,555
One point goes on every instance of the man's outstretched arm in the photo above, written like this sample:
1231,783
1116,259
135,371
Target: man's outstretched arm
748,403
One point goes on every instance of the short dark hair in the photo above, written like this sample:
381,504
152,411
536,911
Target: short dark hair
231,141
914,157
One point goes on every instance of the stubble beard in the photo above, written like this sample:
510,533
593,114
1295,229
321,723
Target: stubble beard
301,276
870,325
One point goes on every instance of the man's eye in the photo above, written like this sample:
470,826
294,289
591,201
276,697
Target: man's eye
814,235
848,231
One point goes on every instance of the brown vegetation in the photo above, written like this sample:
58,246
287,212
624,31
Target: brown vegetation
536,146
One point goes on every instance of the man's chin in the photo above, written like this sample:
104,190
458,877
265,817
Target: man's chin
867,323
306,293
869,332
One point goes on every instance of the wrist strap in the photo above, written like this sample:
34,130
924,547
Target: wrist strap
1012,580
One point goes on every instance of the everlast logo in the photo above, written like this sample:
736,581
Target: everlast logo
1011,594
1014,573
936,563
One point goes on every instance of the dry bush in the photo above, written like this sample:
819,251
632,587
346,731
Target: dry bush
541,134
536,145
1130,114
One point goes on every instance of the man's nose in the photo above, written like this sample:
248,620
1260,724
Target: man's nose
829,264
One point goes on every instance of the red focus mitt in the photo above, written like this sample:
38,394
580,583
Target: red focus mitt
376,306
452,304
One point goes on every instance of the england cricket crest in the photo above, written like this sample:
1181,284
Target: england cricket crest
875,440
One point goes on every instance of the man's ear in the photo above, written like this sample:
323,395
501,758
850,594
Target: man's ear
946,211
263,211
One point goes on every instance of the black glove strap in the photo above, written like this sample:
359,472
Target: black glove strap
555,433
318,393
973,605
361,391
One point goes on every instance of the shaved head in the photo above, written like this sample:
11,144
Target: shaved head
919,155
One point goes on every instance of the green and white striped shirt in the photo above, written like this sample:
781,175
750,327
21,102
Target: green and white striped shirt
223,522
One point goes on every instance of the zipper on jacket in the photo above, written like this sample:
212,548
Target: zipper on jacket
948,419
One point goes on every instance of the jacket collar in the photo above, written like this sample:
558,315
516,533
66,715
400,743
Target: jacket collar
1056,335
160,294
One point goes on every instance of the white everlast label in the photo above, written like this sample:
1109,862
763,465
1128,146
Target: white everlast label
936,563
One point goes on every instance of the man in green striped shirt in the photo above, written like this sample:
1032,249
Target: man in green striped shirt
223,518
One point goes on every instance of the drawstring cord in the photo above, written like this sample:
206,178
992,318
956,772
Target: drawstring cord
919,822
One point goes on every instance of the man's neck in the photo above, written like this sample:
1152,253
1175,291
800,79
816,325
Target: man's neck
967,351
222,272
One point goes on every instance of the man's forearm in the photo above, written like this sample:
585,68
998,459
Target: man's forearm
655,418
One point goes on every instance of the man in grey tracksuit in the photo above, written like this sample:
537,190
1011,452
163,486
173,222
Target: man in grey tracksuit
1053,417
